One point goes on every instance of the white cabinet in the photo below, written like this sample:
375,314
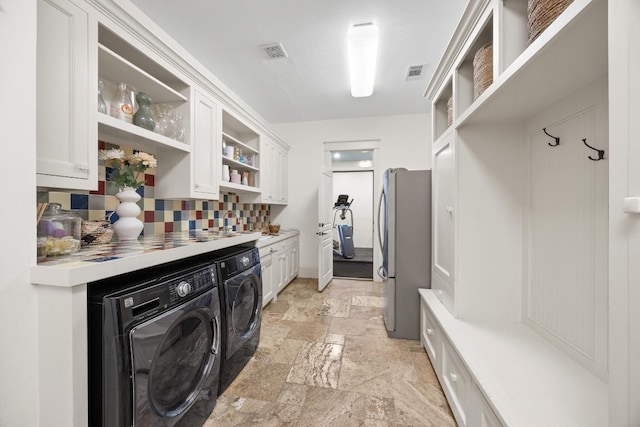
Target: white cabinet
266,262
282,255
206,145
519,224
443,280
66,96
275,172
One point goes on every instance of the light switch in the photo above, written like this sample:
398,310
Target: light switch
632,204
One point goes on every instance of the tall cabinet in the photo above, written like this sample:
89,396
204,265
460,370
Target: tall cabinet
520,220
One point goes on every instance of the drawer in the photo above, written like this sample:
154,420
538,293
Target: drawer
482,415
430,335
456,383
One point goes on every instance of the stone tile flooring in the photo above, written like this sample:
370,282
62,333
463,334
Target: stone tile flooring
325,360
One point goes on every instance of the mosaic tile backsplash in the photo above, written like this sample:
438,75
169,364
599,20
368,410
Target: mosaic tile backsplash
161,216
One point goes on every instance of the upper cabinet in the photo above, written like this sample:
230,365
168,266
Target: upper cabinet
275,175
93,54
65,74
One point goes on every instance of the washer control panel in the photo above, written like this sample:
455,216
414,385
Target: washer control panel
191,284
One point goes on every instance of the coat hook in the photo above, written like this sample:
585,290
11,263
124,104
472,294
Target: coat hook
554,137
600,152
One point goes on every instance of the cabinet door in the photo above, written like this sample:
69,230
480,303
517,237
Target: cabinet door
207,140
267,280
295,261
443,280
66,140
266,168
281,266
283,176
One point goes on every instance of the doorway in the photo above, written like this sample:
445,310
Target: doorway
353,219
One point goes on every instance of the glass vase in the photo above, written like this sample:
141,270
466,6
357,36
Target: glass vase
144,116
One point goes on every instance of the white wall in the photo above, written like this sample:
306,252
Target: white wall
404,142
18,304
359,187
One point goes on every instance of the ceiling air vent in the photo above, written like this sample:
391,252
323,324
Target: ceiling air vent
414,72
274,50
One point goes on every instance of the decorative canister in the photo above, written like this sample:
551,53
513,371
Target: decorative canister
225,173
60,230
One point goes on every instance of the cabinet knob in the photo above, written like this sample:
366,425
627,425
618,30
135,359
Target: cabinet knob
631,205
429,331
84,167
453,377
449,210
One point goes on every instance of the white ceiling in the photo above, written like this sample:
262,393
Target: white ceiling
313,83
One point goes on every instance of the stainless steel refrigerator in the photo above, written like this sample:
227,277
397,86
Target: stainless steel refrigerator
404,231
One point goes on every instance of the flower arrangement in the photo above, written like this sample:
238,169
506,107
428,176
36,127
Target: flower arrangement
127,168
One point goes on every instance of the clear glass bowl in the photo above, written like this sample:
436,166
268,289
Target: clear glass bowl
165,120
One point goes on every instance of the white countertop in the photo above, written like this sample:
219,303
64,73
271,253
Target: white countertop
102,261
270,239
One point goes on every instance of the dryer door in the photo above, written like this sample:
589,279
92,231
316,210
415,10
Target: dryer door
244,307
174,358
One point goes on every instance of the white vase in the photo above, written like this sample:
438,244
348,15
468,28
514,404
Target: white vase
128,226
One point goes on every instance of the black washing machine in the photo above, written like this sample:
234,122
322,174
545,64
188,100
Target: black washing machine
241,297
154,347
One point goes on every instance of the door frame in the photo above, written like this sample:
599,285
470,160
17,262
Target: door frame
365,144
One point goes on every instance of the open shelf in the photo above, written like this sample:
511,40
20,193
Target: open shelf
238,165
441,108
234,141
570,53
115,130
238,188
115,68
464,73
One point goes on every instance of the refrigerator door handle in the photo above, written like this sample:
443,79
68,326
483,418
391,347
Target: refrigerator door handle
379,223
382,273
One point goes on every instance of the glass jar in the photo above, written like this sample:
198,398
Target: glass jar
59,230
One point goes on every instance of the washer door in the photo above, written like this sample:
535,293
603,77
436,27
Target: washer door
244,307
172,358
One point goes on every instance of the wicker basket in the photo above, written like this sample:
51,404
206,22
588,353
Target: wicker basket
96,232
482,70
541,13
449,111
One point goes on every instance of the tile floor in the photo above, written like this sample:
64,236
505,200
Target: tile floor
325,360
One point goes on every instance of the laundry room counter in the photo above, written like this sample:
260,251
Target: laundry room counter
103,261
275,238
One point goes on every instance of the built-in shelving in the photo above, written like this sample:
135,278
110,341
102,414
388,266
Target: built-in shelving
246,158
238,188
238,165
570,53
119,131
234,141
115,68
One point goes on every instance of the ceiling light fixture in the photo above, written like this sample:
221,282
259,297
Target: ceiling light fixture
336,155
365,163
363,49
